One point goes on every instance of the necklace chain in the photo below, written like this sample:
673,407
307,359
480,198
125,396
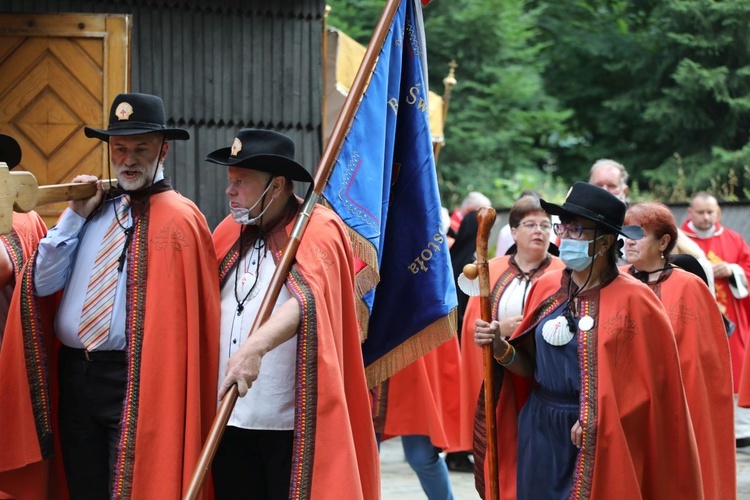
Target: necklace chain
258,245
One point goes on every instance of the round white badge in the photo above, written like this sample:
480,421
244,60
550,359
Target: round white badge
556,331
586,323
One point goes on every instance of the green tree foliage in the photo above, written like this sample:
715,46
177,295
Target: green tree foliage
703,109
545,88
501,126
662,86
356,18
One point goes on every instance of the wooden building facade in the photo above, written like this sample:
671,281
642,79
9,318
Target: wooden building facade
219,65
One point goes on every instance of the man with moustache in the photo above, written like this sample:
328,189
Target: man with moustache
115,331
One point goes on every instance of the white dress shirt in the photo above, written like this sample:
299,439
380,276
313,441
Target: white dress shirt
513,298
65,260
62,262
269,403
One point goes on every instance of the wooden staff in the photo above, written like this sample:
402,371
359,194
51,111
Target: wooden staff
330,153
485,219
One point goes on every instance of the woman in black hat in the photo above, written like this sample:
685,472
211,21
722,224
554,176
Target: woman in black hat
701,340
591,399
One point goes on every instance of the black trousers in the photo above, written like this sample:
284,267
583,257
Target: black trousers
91,396
253,464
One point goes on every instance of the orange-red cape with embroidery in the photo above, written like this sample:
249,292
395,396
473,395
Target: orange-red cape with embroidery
638,441
707,375
472,364
421,398
335,453
26,231
173,355
728,246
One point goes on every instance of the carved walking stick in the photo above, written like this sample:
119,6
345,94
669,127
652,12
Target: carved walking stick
485,219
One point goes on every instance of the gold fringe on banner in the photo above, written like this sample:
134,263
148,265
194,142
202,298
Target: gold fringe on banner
363,318
367,278
416,346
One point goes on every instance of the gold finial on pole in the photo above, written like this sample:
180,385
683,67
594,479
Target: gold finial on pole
448,83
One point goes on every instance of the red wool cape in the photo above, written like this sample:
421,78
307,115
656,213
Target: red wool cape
472,363
707,374
335,453
421,398
638,441
26,231
728,246
172,329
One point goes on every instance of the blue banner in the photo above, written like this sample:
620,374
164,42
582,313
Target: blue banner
384,187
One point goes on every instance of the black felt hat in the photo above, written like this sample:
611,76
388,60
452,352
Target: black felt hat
133,114
10,151
597,205
263,150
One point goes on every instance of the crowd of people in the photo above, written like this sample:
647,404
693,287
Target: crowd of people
618,367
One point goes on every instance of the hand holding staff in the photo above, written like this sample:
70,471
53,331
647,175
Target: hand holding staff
322,173
486,218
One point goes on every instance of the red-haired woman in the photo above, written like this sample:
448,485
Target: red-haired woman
701,342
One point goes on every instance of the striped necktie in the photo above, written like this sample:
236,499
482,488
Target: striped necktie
96,314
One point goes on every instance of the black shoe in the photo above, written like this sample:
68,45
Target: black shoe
459,462
743,442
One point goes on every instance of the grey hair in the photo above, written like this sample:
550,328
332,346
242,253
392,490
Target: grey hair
606,162
475,200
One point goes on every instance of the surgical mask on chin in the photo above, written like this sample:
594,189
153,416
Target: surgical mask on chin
242,215
575,253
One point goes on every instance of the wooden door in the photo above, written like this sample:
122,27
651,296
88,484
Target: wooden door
59,73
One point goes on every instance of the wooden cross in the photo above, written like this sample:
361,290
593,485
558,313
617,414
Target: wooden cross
20,192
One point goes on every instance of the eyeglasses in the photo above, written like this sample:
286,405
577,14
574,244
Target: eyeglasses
573,231
531,226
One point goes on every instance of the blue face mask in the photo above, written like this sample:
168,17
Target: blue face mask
575,253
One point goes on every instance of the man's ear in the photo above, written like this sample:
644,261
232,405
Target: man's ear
278,183
163,152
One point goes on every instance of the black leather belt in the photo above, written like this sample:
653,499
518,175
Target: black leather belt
105,356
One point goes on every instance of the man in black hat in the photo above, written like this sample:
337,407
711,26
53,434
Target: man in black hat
135,274
304,410
21,242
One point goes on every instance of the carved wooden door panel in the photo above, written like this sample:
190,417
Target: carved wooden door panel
59,73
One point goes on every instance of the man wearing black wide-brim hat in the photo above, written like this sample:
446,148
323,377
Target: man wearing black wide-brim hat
306,406
135,274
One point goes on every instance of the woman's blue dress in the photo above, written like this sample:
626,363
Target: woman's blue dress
546,455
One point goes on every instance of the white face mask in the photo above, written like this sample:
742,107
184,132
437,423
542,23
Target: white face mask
242,215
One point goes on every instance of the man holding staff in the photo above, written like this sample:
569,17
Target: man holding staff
302,428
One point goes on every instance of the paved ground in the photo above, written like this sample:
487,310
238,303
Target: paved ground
400,483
